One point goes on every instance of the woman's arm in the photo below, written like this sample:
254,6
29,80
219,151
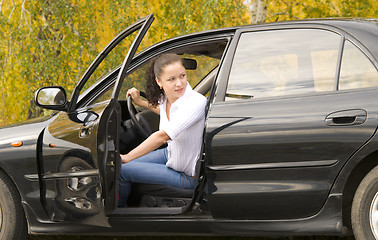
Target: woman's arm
154,141
148,106
135,94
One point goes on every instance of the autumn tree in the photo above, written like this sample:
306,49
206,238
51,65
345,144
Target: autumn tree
280,10
52,42
258,11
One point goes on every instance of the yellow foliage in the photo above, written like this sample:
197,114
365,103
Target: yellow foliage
53,42
278,10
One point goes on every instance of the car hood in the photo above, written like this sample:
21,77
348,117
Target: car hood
24,131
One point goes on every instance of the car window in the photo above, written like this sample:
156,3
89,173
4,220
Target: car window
283,62
104,96
207,55
111,61
204,65
136,79
356,69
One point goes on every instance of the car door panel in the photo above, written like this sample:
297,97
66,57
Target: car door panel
279,154
80,162
71,170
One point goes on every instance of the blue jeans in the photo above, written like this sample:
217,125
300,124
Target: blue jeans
151,169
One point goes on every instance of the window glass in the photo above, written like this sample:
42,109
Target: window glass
356,69
204,65
107,95
136,79
110,62
283,62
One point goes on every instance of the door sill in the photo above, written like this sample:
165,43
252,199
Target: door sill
150,210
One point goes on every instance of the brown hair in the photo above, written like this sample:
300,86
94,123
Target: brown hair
154,70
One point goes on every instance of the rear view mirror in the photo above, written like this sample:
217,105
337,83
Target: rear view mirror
54,98
189,64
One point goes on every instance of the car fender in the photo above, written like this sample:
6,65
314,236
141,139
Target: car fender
18,159
367,149
352,173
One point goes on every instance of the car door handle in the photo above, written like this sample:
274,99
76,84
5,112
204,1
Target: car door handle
346,117
86,129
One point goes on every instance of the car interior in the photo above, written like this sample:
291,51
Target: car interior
201,61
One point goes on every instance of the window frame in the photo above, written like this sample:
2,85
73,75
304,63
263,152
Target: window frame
226,64
363,51
88,97
222,89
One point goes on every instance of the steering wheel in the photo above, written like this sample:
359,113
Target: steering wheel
133,112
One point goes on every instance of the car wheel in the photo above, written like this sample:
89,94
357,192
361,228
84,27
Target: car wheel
77,196
365,208
12,218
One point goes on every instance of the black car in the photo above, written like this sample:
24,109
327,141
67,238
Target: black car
290,140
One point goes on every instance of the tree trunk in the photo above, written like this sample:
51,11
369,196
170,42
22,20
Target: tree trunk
258,11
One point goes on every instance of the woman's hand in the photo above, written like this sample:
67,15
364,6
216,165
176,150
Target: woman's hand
135,94
125,158
154,141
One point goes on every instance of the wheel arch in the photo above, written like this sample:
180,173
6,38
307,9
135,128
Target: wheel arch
4,173
354,179
85,156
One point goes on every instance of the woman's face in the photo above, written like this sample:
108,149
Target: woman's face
173,81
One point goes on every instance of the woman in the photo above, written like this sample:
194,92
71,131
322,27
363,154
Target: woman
182,117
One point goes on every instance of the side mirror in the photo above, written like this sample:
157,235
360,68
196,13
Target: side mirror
54,98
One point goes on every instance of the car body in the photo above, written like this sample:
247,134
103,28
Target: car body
290,135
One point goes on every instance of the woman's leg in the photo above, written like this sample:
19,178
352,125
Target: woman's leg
157,156
151,169
155,173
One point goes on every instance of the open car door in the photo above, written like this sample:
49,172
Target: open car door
79,162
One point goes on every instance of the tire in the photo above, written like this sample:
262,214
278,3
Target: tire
365,208
77,196
12,218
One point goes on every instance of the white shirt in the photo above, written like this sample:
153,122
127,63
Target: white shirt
185,129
